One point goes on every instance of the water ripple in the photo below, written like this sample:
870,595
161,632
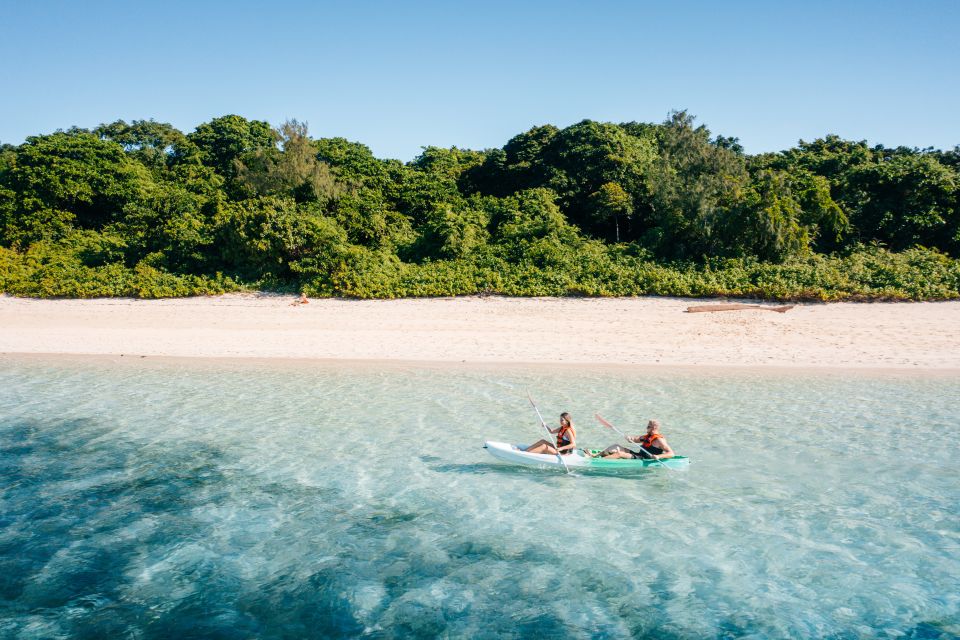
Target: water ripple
222,500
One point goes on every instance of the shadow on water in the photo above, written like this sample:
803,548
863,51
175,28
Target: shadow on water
108,538
80,510
490,467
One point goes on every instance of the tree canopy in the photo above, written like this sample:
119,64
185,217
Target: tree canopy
595,208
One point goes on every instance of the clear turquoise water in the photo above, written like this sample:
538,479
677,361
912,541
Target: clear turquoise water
161,500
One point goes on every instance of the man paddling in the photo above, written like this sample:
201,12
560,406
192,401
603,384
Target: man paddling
652,445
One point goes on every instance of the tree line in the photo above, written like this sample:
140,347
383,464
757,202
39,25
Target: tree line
595,208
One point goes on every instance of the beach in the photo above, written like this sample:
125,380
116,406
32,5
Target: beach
492,329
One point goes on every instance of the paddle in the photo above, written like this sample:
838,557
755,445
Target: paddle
601,420
549,435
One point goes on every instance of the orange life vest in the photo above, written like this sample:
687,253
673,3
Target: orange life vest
562,438
649,439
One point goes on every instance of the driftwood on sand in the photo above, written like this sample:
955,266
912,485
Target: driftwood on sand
737,307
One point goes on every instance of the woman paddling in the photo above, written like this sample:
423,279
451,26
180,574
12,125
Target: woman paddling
566,439
652,445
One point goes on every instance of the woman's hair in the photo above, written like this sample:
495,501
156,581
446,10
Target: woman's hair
566,416
654,423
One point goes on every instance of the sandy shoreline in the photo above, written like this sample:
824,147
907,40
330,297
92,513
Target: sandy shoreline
620,331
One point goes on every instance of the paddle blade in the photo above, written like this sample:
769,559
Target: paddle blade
602,421
608,425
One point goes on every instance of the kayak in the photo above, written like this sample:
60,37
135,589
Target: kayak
514,453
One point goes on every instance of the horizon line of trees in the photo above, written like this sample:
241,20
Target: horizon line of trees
238,201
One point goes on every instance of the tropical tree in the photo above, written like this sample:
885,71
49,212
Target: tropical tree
68,180
225,140
155,144
275,237
292,169
610,203
690,186
904,200
764,221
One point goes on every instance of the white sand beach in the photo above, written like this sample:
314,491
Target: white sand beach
623,331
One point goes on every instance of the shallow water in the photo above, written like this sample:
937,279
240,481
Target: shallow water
224,500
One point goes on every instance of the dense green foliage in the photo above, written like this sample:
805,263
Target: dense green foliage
599,209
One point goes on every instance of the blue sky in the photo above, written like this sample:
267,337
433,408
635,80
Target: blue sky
398,76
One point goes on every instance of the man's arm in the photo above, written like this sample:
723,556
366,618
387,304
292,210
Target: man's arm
662,444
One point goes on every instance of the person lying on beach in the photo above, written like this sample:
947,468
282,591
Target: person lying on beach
652,445
566,439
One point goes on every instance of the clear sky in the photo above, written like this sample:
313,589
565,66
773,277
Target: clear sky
397,76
